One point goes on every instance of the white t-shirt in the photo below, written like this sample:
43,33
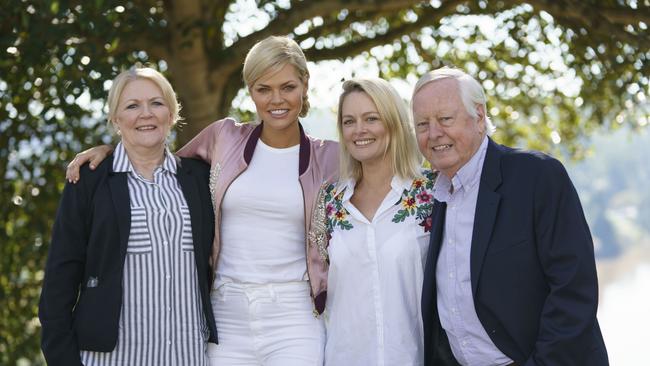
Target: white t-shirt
263,221
373,314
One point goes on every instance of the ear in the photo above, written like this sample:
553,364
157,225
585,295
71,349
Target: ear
480,117
116,127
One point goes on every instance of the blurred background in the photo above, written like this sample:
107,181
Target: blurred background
570,78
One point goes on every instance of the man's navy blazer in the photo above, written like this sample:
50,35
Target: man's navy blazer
532,266
82,290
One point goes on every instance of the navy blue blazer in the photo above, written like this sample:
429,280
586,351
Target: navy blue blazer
89,241
532,266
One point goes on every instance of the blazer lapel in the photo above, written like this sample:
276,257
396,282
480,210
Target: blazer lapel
435,241
118,186
190,191
487,206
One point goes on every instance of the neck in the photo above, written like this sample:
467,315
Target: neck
145,161
281,139
376,175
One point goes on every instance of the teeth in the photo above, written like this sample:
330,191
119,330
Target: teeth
145,128
441,147
364,142
279,111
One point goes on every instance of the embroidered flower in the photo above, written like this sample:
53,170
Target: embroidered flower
408,203
426,224
336,213
423,197
417,201
329,209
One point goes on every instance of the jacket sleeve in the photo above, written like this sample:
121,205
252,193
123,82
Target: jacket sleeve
566,253
202,145
63,274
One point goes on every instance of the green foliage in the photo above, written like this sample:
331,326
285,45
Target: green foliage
56,58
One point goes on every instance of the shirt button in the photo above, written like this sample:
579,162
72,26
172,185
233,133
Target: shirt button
169,343
165,242
169,308
451,275
168,276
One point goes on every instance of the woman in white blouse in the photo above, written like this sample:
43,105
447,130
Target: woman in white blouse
377,219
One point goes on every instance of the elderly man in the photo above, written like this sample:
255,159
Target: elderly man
510,276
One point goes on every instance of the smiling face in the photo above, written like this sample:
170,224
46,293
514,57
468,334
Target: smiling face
278,97
142,118
364,134
447,135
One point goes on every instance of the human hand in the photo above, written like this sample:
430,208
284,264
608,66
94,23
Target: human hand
94,155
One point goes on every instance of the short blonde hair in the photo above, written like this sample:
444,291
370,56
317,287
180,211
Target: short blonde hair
272,54
393,112
142,73
471,91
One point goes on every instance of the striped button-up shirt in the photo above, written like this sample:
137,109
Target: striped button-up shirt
161,322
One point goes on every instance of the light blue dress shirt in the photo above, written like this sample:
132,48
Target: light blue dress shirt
468,339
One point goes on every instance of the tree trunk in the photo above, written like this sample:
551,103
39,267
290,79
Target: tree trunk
204,88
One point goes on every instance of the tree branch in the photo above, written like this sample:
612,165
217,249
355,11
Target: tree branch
427,16
595,20
626,15
287,20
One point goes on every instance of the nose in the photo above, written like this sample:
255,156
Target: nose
276,97
146,111
360,126
435,130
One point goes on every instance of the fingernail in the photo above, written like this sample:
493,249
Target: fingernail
92,166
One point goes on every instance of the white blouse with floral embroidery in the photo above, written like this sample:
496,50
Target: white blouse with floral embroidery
373,314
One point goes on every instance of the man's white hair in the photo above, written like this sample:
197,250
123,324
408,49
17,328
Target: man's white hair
471,91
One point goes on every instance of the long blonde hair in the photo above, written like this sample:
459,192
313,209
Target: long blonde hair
393,112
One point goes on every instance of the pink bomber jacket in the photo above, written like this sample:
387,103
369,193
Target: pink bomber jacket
228,146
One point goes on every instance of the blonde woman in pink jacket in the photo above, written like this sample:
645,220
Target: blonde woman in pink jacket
269,255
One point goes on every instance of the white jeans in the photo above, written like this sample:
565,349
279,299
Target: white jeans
266,325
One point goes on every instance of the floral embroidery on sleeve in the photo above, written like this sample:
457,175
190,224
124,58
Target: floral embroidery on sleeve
417,201
336,214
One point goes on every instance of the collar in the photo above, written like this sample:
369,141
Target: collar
467,176
305,151
122,164
397,185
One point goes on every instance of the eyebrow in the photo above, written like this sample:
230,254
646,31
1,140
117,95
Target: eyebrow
362,115
137,100
283,84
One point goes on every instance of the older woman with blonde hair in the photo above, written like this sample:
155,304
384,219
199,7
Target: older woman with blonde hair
378,223
268,258
127,276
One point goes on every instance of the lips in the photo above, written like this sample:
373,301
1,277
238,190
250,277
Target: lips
442,147
364,142
278,112
146,128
